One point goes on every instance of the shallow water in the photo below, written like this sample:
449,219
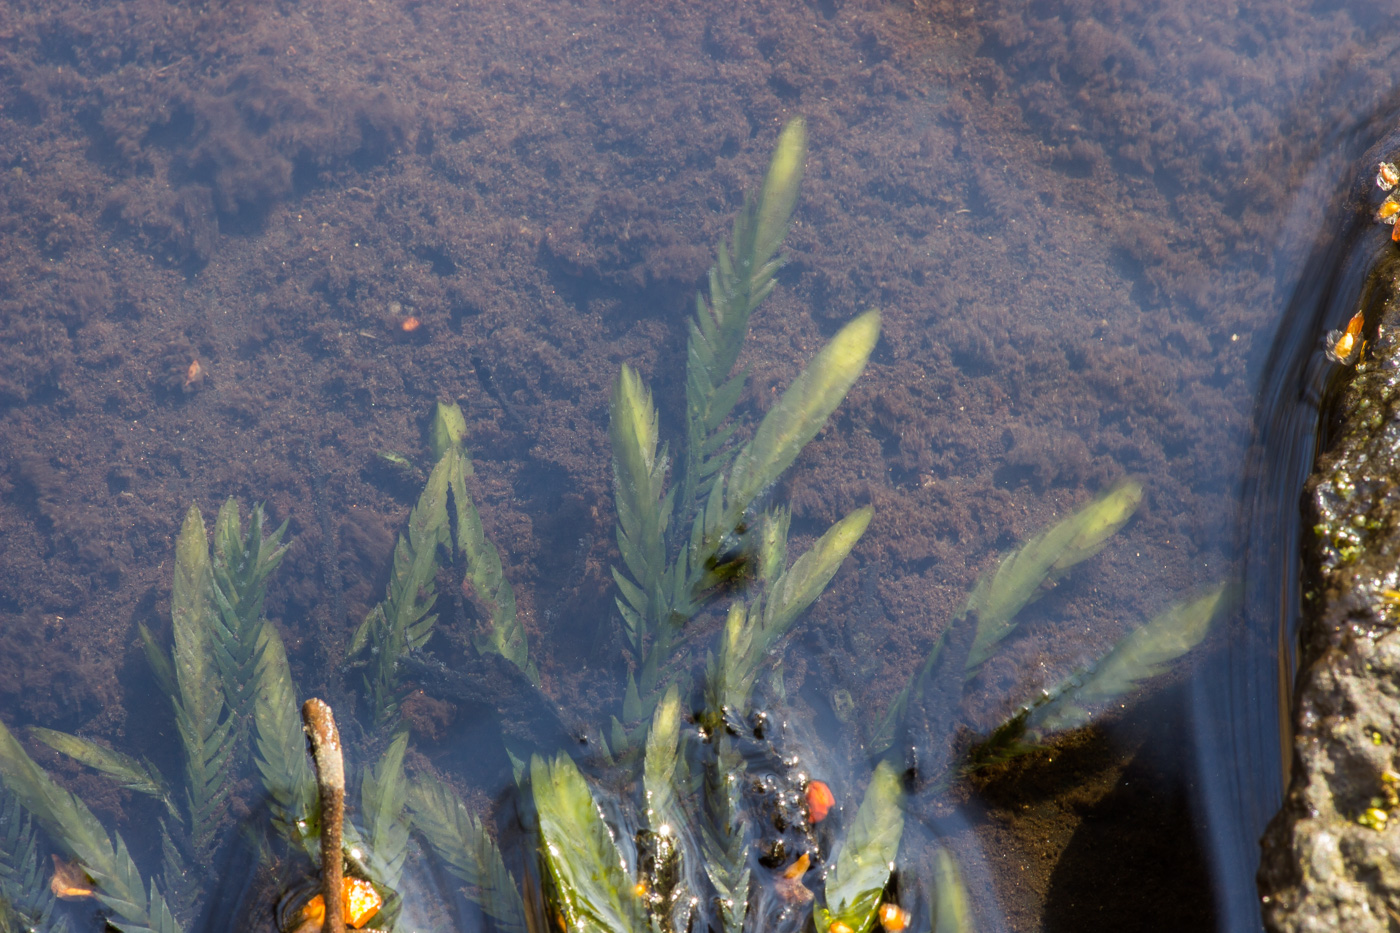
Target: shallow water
1102,239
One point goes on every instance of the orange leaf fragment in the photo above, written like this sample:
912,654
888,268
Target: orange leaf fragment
798,868
69,881
789,884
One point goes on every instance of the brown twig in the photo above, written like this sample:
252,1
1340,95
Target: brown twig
330,784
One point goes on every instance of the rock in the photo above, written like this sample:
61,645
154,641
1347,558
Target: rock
1331,857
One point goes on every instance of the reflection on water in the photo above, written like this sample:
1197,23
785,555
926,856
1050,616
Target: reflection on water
1066,212
1242,695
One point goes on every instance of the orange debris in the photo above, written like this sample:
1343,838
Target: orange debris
820,800
69,881
1342,346
798,868
410,324
1386,176
789,884
362,902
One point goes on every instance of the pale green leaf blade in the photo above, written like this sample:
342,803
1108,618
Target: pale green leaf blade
999,596
402,620
448,430
490,591
660,776
23,887
1100,520
737,284
952,911
805,580
132,774
861,867
281,746
643,505
594,892
71,826
207,739
384,801
191,612
779,195
800,413
1144,652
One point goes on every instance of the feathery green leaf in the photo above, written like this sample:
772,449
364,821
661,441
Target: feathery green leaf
448,430
738,282
661,768
490,589
468,852
1144,652
281,747
140,776
206,734
402,621
22,884
723,846
1019,576
383,802
788,426
801,584
71,826
241,567
643,512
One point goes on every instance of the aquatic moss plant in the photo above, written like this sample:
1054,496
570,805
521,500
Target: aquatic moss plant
688,812
229,686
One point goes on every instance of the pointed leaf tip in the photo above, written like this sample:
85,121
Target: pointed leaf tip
780,188
802,411
448,431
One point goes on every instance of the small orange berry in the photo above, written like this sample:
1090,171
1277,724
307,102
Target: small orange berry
410,324
893,918
820,800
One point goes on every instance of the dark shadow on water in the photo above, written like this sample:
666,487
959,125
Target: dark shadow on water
1135,863
1132,861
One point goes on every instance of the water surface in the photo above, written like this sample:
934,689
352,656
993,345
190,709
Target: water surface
1085,224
